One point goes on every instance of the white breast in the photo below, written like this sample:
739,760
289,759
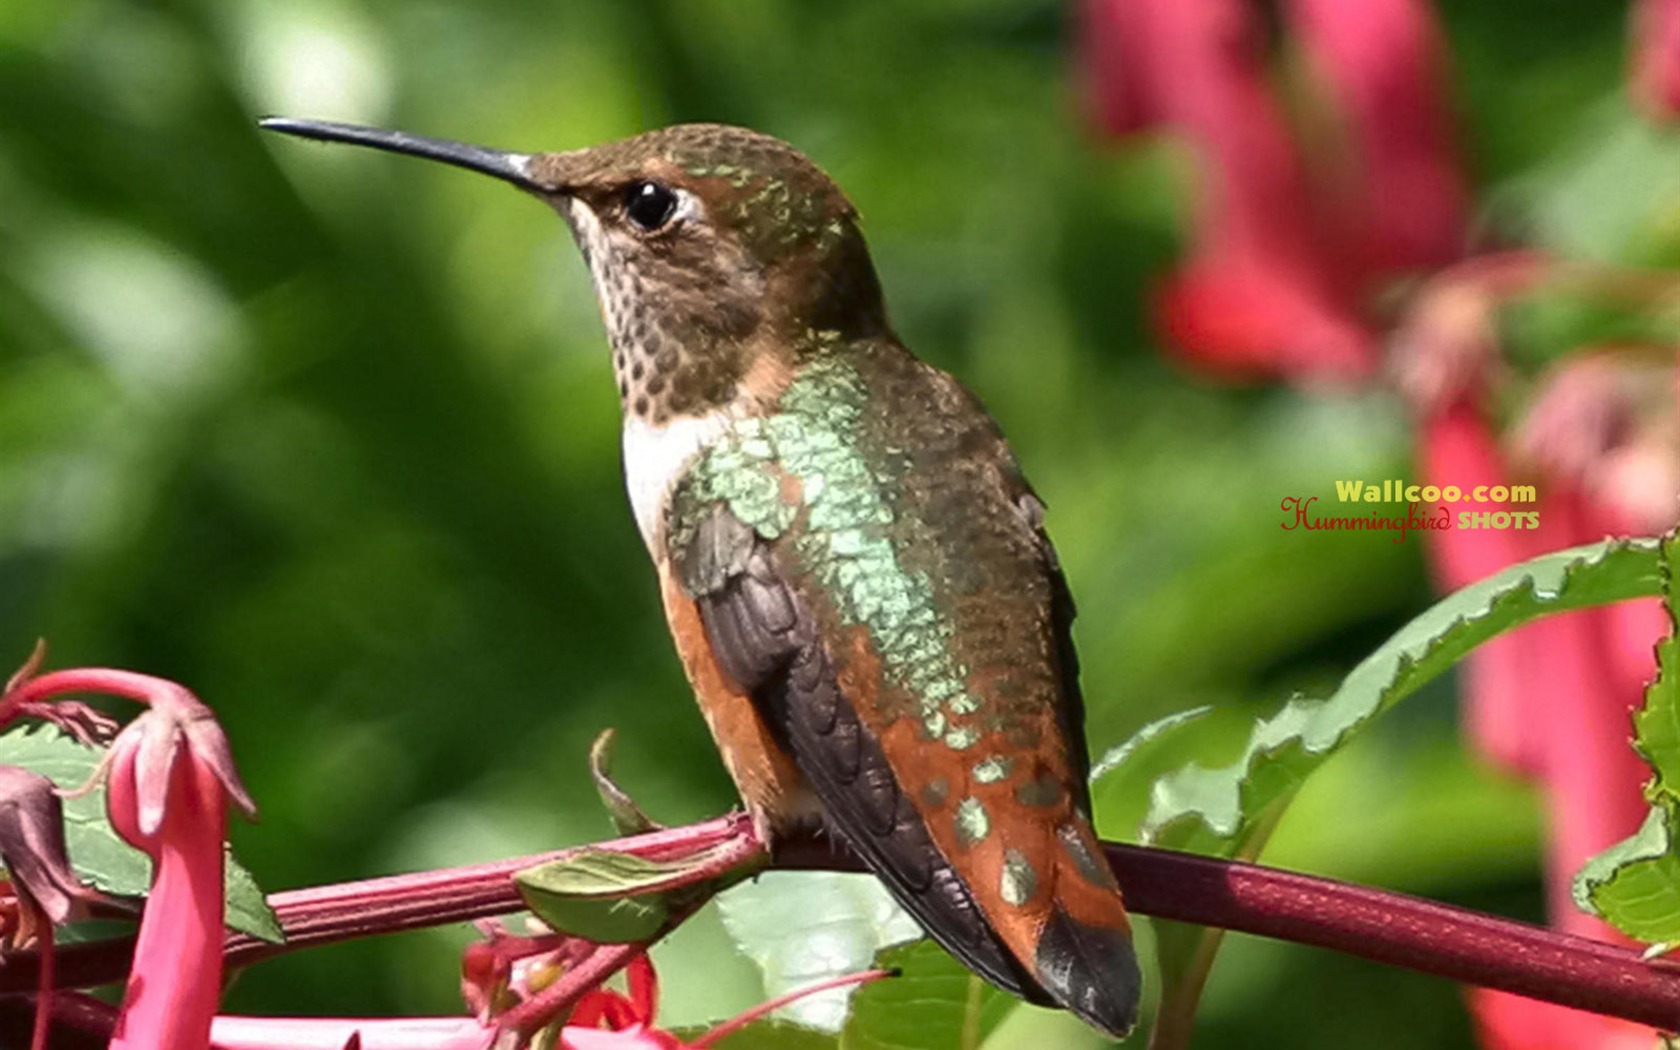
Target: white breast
656,456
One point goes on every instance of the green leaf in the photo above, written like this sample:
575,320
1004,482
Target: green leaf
601,895
626,815
1218,811
935,1001
1656,725
100,856
1635,884
1230,810
800,927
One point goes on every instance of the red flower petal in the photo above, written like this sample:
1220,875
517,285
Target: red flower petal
1402,196
1655,47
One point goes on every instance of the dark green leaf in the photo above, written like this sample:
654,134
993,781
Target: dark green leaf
935,1001
626,815
102,858
602,895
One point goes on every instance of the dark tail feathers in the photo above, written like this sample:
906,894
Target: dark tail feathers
1091,971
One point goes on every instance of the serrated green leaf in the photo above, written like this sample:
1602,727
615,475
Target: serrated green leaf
800,927
1656,725
102,858
602,895
935,1001
1229,811
247,908
1215,811
1635,884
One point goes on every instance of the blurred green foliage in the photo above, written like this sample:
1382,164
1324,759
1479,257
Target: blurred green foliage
331,437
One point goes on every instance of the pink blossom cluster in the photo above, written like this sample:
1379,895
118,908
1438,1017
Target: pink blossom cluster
1331,243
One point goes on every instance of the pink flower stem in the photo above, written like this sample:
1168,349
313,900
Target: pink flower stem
1363,921
326,914
579,978
106,680
45,993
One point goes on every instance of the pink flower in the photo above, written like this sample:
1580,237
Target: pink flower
1259,298
1511,1022
1289,244
1551,701
1396,197
1654,79
170,775
609,1020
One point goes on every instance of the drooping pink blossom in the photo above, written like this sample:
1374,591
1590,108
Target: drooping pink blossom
1654,46
1259,297
174,808
1511,1022
1296,231
1393,190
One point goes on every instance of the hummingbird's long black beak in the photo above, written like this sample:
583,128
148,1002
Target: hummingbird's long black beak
511,167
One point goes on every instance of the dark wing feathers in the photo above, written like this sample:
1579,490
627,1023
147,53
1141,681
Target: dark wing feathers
765,639
1062,611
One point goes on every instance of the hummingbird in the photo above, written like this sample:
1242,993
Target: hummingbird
855,571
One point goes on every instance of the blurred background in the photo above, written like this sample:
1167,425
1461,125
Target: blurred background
331,436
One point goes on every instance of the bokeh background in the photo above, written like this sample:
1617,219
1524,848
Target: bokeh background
331,436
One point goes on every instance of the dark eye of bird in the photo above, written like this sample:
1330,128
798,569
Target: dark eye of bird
649,205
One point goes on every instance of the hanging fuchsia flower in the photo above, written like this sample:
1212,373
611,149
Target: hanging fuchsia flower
1257,299
1395,195
171,776
1291,243
1655,57
1511,1022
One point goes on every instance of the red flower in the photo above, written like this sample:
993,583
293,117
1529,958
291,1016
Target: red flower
1655,57
1289,245
608,1020
1396,197
171,775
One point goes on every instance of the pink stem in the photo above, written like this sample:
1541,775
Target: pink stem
44,996
106,680
1249,898
542,1008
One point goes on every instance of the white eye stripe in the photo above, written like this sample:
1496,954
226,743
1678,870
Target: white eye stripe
688,206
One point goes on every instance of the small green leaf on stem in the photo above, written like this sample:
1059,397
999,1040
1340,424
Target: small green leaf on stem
602,896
